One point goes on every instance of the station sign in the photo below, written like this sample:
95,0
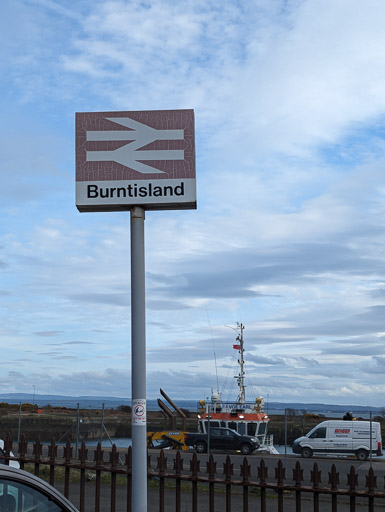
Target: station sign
138,158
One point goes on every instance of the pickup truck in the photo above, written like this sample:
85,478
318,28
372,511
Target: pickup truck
222,439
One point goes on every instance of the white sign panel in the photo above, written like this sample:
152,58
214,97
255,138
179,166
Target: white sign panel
126,159
139,412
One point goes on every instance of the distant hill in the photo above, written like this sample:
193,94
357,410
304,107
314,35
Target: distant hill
322,408
84,402
30,396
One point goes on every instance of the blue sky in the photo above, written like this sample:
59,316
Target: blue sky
289,234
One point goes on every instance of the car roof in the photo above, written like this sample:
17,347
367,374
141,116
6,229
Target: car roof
21,476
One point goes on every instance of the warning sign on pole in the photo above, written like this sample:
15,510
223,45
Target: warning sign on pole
139,412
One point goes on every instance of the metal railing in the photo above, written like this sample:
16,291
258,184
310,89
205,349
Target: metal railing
100,480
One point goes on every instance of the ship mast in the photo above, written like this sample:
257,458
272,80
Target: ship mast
241,376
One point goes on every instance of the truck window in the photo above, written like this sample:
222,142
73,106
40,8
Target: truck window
251,429
212,424
233,425
242,428
320,433
262,428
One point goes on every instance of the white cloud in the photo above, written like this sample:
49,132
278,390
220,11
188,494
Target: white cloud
289,233
268,80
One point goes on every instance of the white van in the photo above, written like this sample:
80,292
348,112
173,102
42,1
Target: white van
13,463
342,438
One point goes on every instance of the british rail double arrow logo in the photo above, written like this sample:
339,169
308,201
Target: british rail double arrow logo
137,136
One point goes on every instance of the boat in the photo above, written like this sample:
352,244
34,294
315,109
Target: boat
244,417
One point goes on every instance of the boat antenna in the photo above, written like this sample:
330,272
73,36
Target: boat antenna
215,355
241,376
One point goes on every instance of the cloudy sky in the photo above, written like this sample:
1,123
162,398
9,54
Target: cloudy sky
289,234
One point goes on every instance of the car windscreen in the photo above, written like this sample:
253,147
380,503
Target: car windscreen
17,496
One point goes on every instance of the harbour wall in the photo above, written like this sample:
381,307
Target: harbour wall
84,424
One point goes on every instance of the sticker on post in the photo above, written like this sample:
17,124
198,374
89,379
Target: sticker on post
139,412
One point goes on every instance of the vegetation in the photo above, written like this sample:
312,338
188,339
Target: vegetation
124,408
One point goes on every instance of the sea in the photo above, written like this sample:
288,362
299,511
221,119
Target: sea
86,402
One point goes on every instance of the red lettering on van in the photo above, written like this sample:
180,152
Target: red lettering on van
342,430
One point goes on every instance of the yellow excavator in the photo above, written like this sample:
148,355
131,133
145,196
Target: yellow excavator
167,439
172,438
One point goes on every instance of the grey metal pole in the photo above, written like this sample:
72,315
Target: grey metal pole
138,362
371,440
19,425
285,437
77,428
208,430
101,426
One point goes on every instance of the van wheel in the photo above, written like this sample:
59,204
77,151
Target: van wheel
306,452
201,447
362,455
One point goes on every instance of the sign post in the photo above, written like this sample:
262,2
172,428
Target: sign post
136,161
138,362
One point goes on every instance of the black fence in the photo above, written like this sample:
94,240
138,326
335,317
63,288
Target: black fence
100,480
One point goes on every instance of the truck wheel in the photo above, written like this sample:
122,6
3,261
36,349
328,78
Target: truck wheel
362,455
245,449
201,447
306,452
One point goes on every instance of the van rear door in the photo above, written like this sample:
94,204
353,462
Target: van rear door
361,435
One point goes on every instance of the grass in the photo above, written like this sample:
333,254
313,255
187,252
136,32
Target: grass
153,482
59,473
